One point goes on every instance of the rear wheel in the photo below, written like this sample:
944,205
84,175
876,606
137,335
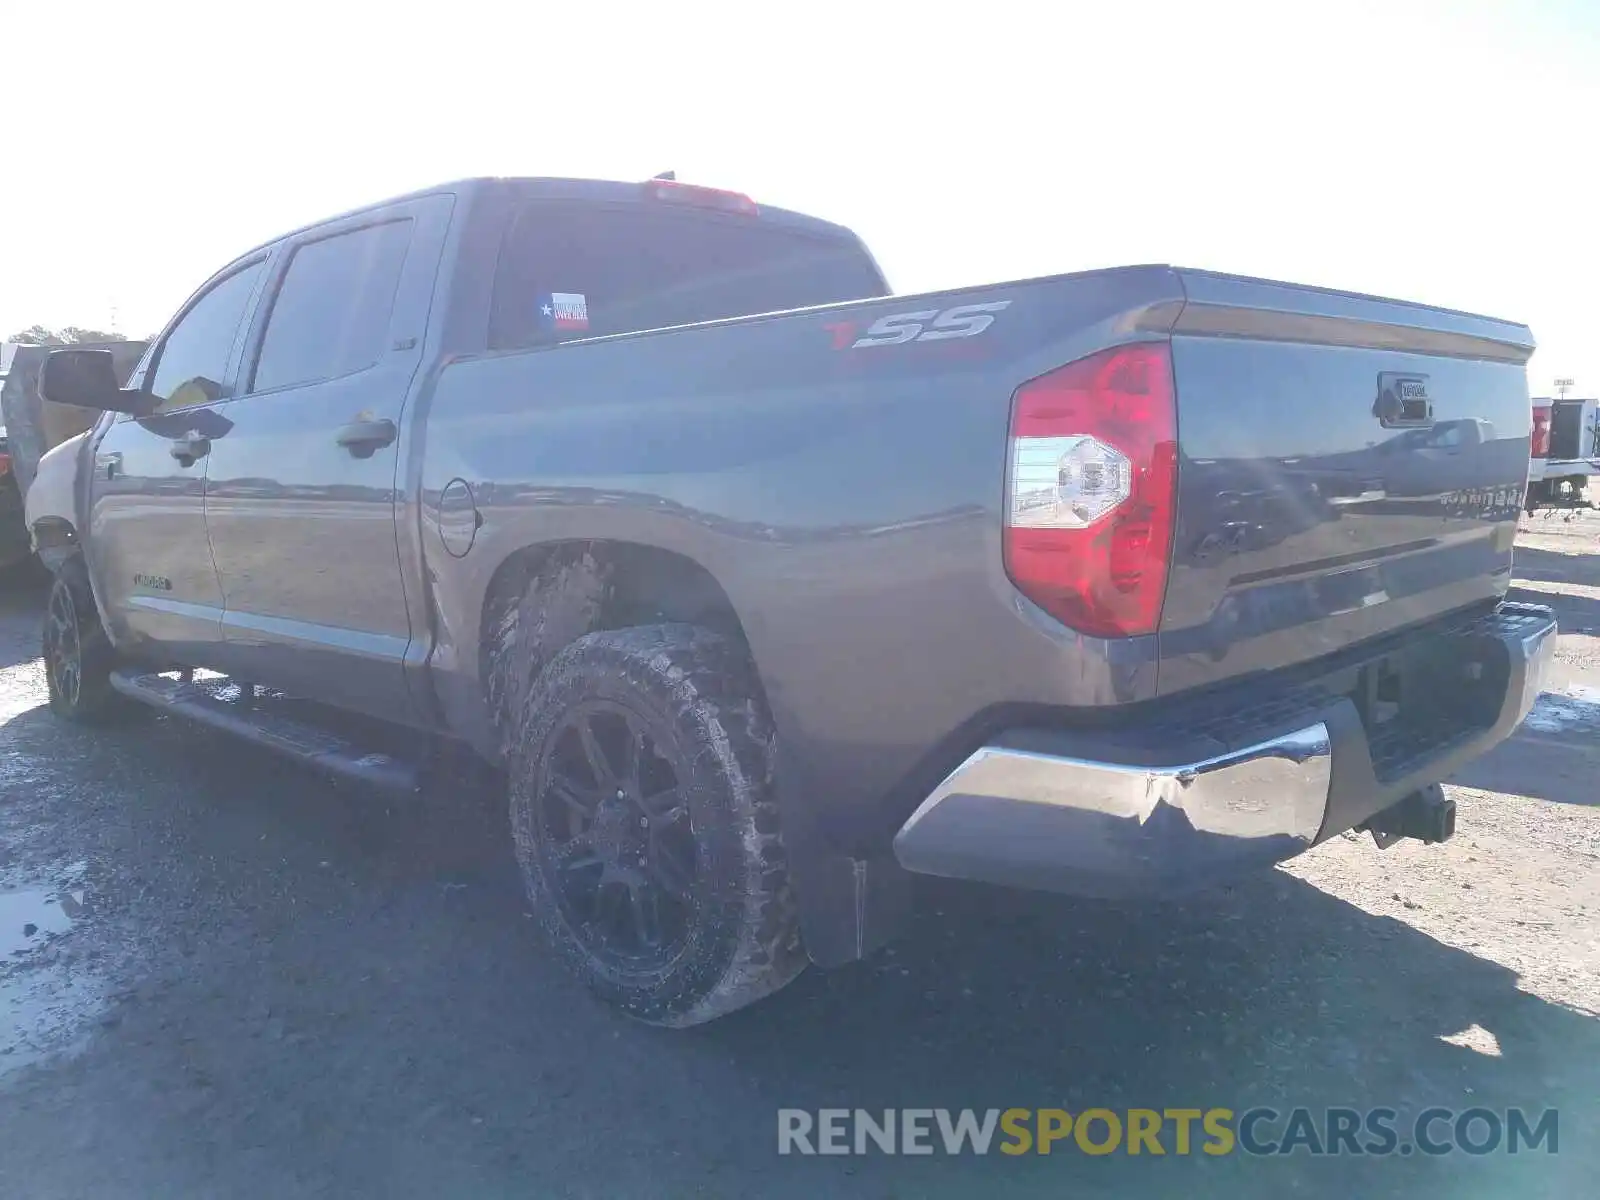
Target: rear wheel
641,802
77,654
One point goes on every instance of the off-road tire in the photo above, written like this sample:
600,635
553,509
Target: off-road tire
697,694
72,629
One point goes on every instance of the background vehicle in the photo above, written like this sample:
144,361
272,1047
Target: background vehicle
13,530
31,427
14,545
1113,583
1565,452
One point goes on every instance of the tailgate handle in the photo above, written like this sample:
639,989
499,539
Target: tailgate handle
1403,401
189,448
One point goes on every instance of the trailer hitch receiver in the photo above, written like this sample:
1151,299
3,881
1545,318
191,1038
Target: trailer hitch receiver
1426,814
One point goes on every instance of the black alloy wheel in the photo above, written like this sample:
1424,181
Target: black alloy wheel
77,654
641,769
617,835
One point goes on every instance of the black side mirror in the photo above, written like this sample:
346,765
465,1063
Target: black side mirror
88,379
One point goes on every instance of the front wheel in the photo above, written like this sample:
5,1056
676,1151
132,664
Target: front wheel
645,823
77,654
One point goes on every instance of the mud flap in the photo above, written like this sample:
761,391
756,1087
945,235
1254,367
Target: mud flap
849,906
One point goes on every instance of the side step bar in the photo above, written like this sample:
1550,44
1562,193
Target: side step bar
222,704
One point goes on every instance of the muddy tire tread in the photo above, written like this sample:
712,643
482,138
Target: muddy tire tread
710,682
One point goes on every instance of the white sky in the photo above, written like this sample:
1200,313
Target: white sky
1435,150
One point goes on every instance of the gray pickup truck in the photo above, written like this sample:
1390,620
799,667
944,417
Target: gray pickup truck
1115,583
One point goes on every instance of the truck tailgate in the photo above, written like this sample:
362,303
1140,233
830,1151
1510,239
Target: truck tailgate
1348,466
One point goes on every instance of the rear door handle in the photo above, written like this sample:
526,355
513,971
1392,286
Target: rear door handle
189,448
361,438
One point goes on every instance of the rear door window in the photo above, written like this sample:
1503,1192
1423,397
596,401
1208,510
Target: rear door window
589,269
331,314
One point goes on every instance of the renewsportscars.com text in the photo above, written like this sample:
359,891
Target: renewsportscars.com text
1179,1131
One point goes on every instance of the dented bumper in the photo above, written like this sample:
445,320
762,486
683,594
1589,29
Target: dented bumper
1181,803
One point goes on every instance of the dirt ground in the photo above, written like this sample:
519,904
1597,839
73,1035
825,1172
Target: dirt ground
220,976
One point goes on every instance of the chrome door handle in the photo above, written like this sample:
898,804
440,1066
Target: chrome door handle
361,438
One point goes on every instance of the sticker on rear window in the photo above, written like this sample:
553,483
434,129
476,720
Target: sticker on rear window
564,312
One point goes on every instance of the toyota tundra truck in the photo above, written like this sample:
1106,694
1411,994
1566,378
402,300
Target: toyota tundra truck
762,590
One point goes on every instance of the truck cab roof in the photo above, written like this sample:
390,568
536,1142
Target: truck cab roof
600,191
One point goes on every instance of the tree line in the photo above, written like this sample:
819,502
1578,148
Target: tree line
67,335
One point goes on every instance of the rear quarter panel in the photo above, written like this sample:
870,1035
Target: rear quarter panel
847,500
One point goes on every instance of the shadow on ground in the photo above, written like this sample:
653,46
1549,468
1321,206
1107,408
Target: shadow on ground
1549,566
1555,756
23,591
344,997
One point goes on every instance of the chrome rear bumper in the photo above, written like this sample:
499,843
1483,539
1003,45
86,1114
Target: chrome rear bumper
1026,811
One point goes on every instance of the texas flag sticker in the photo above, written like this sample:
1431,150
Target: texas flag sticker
564,312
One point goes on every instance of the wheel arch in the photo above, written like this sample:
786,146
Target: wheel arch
543,597
55,540
50,505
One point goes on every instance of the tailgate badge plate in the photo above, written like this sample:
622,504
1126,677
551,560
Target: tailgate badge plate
1403,401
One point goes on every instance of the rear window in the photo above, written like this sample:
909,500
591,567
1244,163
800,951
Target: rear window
585,270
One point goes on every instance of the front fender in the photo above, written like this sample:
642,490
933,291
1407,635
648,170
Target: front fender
51,505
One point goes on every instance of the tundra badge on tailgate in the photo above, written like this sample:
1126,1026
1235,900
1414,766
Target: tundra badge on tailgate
1402,400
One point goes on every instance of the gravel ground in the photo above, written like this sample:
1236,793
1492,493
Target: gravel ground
220,976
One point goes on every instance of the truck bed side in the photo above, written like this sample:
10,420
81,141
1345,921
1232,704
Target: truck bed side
843,482
848,500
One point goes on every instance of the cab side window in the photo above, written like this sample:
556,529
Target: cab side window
193,361
331,315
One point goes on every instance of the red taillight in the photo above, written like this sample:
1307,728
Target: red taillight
5,463
1091,490
670,191
1540,442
